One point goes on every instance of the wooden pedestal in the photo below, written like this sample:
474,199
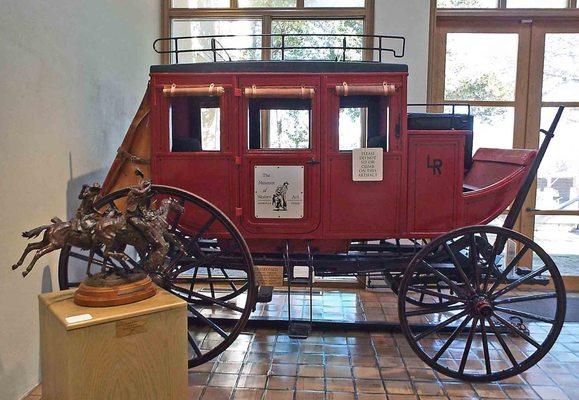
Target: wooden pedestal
133,351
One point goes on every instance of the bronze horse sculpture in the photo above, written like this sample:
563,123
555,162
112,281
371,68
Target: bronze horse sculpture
142,226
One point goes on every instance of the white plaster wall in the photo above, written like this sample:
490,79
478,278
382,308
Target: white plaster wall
408,18
72,73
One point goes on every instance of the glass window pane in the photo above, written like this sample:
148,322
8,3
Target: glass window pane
352,128
536,3
561,71
559,236
200,3
350,26
363,122
194,124
266,3
279,123
467,3
493,127
558,177
287,129
200,27
481,66
334,3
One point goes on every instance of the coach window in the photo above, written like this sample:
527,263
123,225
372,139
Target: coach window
194,124
363,122
280,123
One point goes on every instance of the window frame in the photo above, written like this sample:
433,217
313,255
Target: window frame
263,124
365,121
220,125
366,14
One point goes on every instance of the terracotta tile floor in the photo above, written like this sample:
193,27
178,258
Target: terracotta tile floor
267,364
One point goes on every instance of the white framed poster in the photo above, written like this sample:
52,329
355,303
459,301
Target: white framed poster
367,164
279,191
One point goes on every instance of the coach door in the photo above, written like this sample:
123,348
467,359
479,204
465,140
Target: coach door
280,154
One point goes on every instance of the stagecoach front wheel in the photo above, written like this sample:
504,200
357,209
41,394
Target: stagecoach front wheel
505,312
208,265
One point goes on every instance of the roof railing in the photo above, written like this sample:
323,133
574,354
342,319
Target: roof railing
379,44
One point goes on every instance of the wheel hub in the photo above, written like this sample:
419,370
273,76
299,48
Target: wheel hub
483,308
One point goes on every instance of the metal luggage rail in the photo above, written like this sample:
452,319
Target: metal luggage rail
170,45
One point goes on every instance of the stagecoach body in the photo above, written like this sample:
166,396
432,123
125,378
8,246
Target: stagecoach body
322,165
430,181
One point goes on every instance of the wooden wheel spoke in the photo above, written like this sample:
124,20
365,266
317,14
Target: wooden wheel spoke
473,259
508,269
204,228
174,261
194,263
211,286
517,331
208,299
82,257
458,267
525,315
458,290
520,299
518,282
467,346
193,279
503,344
434,293
485,344
433,310
193,344
208,321
231,284
441,325
451,339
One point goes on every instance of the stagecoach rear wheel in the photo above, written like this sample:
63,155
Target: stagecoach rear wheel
493,330
212,270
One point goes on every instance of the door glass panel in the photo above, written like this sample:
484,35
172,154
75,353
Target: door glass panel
467,3
481,66
561,71
334,3
200,3
363,122
199,27
194,124
558,177
493,126
559,236
536,3
266,3
340,26
279,123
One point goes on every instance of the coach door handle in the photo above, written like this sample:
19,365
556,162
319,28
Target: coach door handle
313,161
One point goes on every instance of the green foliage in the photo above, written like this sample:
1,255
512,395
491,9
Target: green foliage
484,87
294,130
463,3
312,27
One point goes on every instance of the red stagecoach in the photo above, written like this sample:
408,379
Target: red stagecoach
319,165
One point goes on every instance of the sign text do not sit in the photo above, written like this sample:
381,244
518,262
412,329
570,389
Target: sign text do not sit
367,164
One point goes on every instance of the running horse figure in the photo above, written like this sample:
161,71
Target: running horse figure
79,231
146,230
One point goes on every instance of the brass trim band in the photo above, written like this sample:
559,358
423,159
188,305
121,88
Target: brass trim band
384,89
279,92
178,90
